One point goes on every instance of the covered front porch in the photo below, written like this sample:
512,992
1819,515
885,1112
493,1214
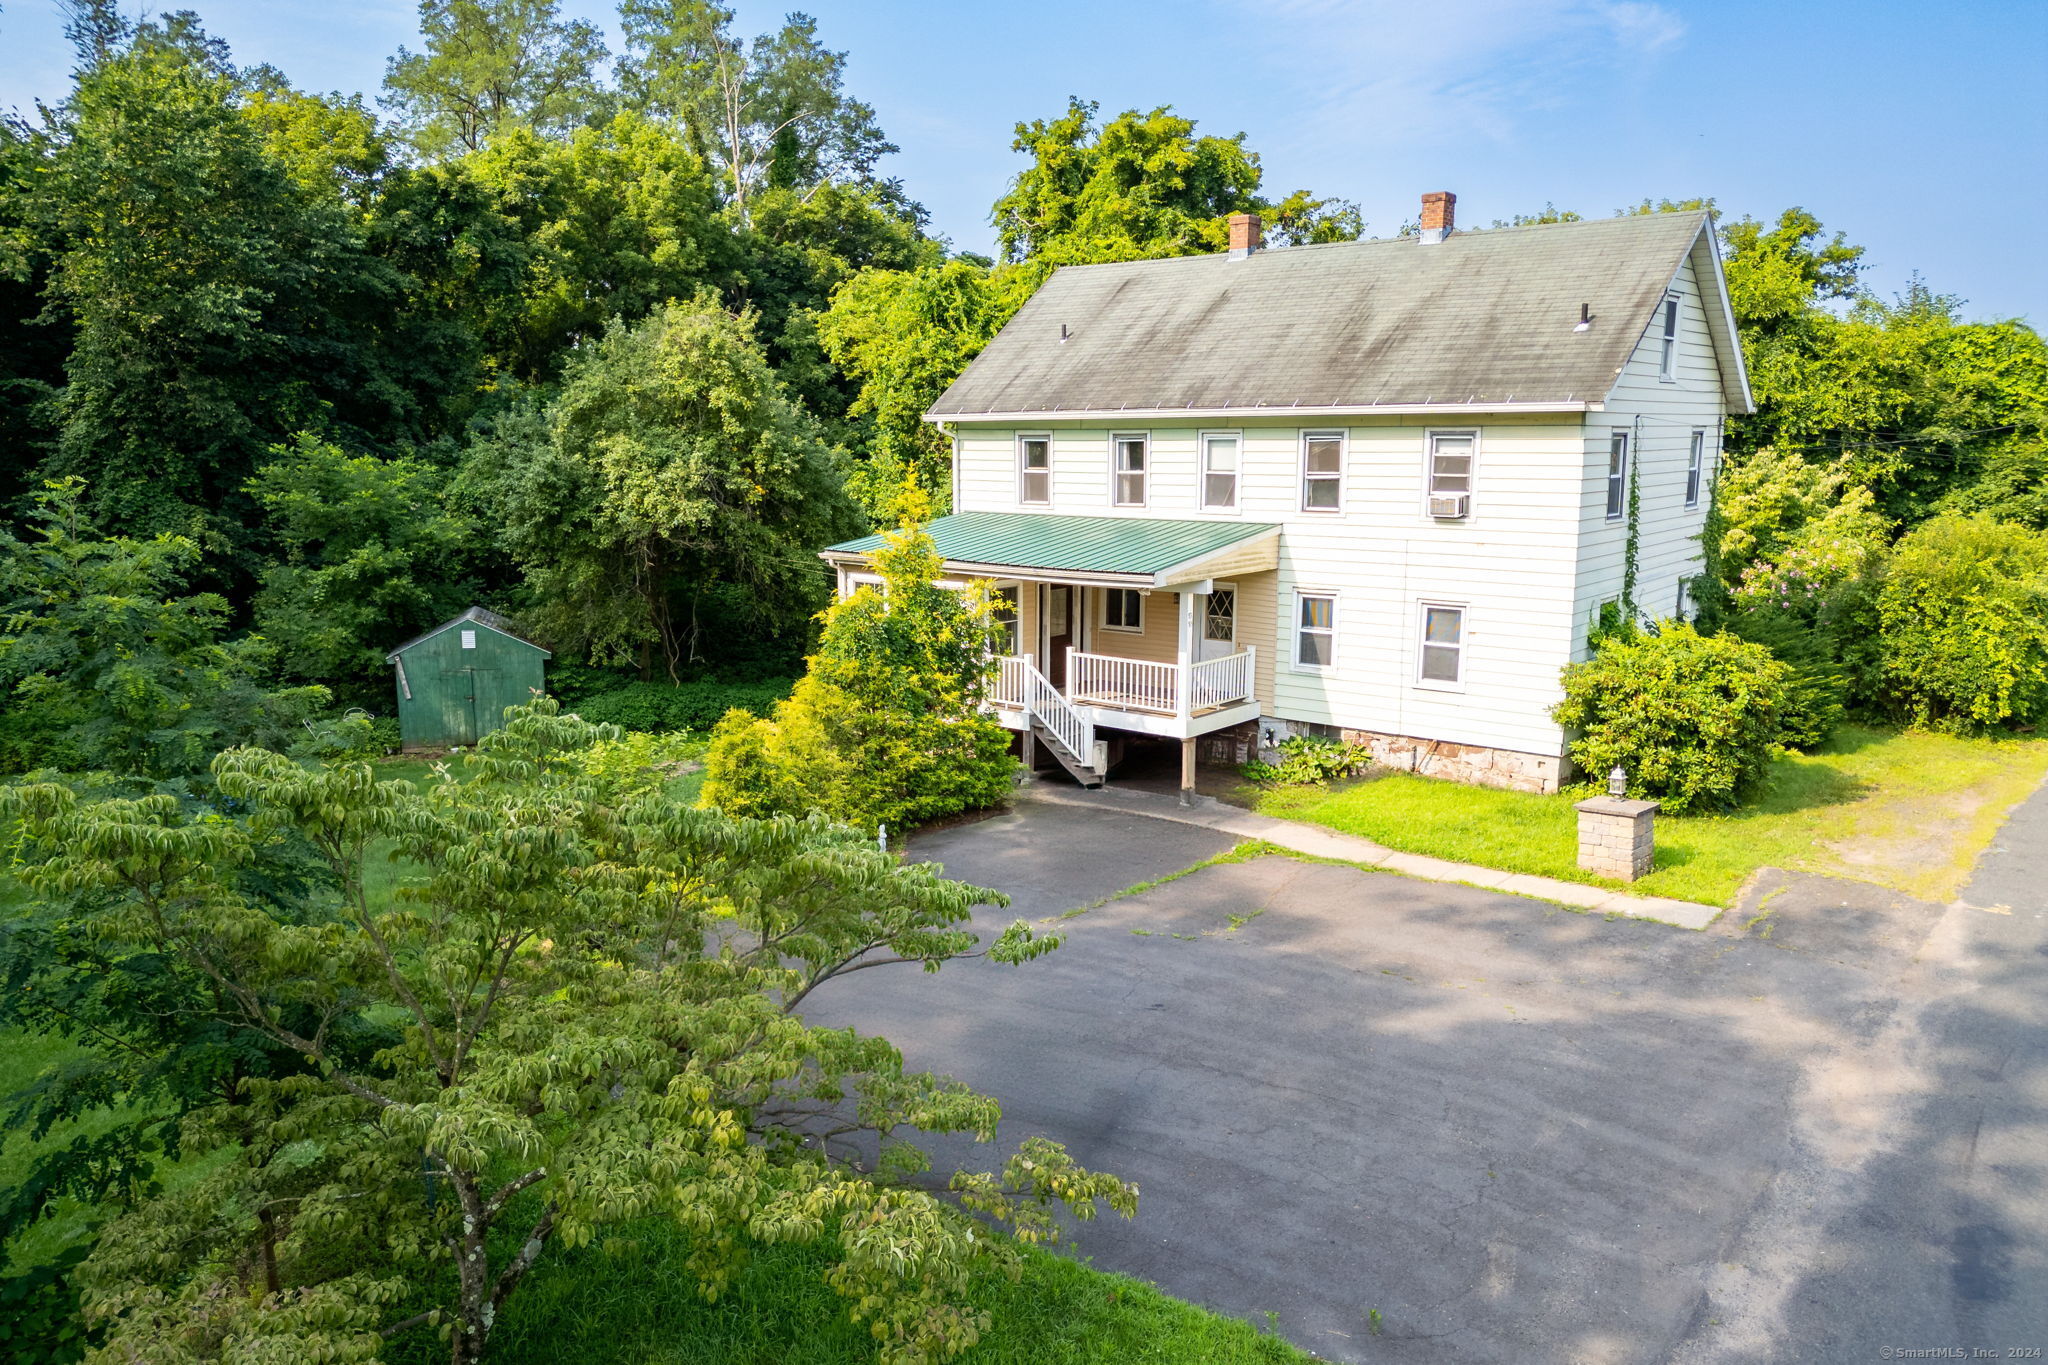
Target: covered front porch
1114,623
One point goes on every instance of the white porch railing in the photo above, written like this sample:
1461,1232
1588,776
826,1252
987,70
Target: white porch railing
1221,682
1169,689
1132,684
1008,687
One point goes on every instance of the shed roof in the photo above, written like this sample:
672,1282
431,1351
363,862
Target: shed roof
1481,319
1133,549
481,616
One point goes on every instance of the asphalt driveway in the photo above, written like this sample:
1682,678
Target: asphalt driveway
1520,1134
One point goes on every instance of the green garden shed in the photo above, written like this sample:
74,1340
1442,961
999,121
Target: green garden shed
455,681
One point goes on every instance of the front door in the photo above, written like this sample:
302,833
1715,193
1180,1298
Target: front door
1059,632
1219,625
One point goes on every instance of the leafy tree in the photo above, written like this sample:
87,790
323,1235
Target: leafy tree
671,461
1694,720
616,220
372,554
597,999
772,113
904,336
1142,185
492,65
886,728
1963,611
105,666
217,308
330,146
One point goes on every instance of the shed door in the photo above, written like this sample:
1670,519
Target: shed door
458,706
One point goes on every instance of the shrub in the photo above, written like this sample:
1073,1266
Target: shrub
1693,719
640,762
1963,620
650,706
1817,688
887,726
1305,760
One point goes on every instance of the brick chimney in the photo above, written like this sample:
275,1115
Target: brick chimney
1244,235
1439,216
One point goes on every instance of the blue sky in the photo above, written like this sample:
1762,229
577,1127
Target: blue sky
1918,129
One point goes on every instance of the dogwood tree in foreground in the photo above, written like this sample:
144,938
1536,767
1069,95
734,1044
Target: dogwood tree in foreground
583,1011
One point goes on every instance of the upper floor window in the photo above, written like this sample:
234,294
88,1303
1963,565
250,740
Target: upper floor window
1315,629
1667,357
1034,469
1129,455
1695,468
1123,609
1322,471
1617,475
1450,472
1219,472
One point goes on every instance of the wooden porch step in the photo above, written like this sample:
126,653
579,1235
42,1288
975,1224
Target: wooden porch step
1079,770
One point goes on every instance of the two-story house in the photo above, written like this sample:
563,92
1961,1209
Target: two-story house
1379,489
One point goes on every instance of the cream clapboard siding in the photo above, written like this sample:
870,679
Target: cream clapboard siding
1661,417
1512,564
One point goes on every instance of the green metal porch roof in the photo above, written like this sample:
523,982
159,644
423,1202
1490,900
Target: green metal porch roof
1106,545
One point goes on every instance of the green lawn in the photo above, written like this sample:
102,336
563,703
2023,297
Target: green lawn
643,1310
1905,809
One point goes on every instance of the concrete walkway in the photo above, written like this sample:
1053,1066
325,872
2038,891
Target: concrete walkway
1318,842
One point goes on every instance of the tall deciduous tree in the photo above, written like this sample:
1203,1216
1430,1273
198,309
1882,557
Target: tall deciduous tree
671,461
372,553
490,65
773,112
598,1000
217,307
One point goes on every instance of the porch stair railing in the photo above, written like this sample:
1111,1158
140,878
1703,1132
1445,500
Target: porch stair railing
1055,723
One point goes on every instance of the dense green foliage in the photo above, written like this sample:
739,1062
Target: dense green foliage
886,728
1694,720
1963,614
695,705
587,1008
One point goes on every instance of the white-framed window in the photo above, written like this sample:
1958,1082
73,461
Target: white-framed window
1219,470
1034,469
1453,456
1322,471
469,639
1123,609
1007,619
1695,468
1667,354
1440,662
1617,474
1315,630
1129,459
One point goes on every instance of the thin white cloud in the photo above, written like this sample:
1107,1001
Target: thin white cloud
1413,72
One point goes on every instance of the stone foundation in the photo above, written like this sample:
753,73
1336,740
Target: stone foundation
1473,763
1230,746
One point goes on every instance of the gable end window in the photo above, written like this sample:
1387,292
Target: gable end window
1695,467
1443,646
1123,609
1667,355
1034,469
1322,471
1130,459
1219,473
1315,630
1617,475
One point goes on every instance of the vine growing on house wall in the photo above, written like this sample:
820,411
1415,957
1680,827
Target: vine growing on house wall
1632,545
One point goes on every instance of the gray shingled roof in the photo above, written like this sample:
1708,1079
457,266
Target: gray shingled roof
1481,317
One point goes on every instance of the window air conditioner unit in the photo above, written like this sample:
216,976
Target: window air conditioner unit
1450,506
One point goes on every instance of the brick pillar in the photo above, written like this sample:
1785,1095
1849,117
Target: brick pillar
1617,837
1244,234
